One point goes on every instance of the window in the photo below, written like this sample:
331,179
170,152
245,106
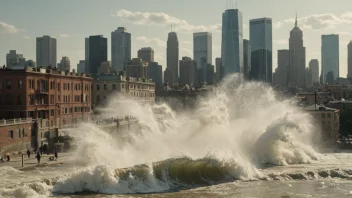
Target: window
98,87
58,86
123,86
105,87
52,112
0,99
8,84
20,85
9,99
23,133
58,98
0,84
114,86
18,131
329,115
10,134
19,99
31,83
51,99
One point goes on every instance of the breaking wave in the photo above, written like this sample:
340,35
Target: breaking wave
232,133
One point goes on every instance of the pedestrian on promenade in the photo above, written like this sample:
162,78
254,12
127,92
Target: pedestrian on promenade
38,157
55,154
28,153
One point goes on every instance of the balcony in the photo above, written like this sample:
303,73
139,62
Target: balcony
42,91
15,121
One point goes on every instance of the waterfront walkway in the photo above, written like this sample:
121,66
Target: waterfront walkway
16,161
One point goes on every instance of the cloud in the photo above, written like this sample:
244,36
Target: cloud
7,28
156,41
26,37
319,21
164,20
186,42
345,33
64,35
187,51
281,41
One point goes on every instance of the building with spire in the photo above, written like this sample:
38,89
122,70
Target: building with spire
232,42
172,55
297,68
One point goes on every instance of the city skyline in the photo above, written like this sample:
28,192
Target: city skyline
19,33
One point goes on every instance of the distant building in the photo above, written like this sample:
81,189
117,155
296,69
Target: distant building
246,58
219,70
105,68
349,61
261,49
15,60
210,75
46,51
120,48
309,82
168,77
202,48
172,53
137,68
328,120
232,42
282,70
314,68
81,66
31,63
297,68
97,53
146,54
330,58
108,86
188,71
155,72
65,64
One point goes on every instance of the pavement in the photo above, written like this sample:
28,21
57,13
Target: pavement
16,161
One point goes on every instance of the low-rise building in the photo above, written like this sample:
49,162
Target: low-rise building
136,68
328,119
110,85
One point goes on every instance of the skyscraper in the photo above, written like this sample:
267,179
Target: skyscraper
65,64
297,69
349,54
314,68
146,54
261,49
202,47
330,58
232,42
172,58
246,58
120,48
219,70
46,51
97,53
155,72
283,64
81,66
188,71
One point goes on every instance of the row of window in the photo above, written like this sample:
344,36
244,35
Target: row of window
43,84
9,100
17,133
66,110
9,84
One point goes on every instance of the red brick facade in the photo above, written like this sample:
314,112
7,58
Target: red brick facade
62,98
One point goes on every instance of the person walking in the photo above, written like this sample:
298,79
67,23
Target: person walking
38,157
55,154
28,153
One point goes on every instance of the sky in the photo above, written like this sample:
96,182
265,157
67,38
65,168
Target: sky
149,22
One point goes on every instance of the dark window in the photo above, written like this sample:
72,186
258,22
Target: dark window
20,84
114,86
23,133
52,112
105,87
18,131
9,99
51,99
31,99
31,84
19,99
0,84
8,84
10,134
58,86
0,99
98,87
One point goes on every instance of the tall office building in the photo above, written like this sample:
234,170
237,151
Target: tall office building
246,58
14,60
46,51
297,69
86,55
282,70
81,67
65,64
349,61
120,48
314,68
219,70
146,54
155,72
330,58
172,54
97,53
188,71
261,38
202,48
232,42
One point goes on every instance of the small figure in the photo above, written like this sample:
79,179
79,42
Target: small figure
55,154
38,157
28,153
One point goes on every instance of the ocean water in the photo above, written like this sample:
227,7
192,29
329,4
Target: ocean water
243,140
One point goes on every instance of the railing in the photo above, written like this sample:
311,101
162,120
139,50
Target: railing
15,121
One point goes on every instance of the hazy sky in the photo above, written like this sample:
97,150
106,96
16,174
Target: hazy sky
70,21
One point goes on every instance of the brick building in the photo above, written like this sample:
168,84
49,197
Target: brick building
61,98
15,135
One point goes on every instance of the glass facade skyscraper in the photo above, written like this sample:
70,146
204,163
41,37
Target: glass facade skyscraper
330,58
261,38
97,47
232,42
120,48
202,47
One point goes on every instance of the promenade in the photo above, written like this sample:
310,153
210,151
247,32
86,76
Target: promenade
16,161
